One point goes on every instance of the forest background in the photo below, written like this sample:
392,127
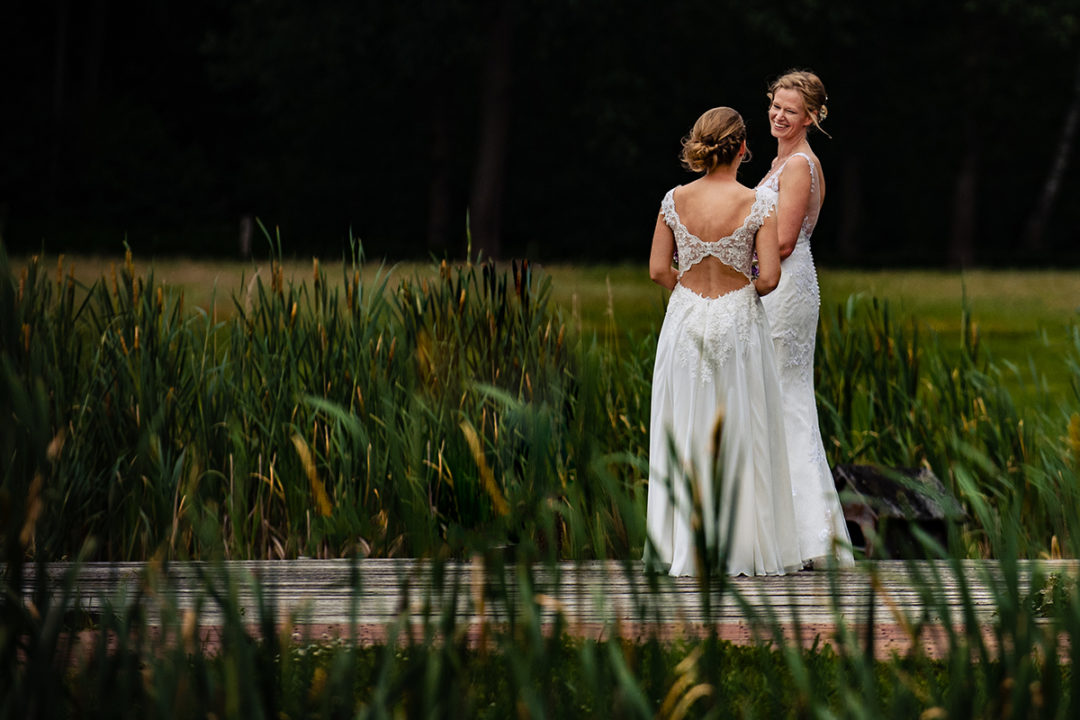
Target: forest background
550,128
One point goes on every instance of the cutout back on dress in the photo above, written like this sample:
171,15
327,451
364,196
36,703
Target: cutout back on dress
736,250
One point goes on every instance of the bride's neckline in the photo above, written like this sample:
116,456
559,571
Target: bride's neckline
779,160
778,165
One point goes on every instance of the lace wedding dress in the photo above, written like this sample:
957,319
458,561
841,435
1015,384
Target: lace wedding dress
714,357
792,309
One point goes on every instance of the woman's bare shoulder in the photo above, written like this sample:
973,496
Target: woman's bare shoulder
805,162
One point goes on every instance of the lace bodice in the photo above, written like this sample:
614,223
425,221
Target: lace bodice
736,250
813,205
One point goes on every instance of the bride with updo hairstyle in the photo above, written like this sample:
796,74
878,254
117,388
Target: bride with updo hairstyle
797,102
719,491
714,140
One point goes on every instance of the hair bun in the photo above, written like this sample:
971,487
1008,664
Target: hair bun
715,139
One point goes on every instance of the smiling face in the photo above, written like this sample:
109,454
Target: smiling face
788,118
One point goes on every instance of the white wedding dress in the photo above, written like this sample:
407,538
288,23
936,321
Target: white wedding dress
792,309
715,356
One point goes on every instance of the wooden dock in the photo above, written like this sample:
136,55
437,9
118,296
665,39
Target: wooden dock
364,599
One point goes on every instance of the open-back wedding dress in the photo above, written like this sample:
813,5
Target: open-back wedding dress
714,358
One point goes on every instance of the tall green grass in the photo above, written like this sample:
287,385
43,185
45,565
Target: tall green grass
439,414
891,395
318,421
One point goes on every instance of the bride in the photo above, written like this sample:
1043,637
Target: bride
797,101
718,480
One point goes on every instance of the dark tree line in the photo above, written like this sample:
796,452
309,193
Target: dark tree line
550,128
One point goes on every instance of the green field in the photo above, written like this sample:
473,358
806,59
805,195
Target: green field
1009,305
1023,316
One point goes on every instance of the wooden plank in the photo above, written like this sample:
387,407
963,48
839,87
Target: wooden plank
367,599
381,591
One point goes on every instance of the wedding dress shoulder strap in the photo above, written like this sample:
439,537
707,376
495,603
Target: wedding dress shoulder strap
813,168
773,178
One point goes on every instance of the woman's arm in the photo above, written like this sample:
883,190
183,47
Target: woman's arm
768,255
663,248
791,207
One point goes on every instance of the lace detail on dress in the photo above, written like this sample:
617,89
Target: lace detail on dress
797,354
722,325
794,323
818,459
735,250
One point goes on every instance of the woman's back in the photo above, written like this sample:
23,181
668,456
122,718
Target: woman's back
714,224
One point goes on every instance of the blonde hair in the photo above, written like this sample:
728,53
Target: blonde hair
714,140
810,88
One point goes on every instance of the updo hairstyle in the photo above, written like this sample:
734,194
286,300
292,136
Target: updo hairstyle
812,90
714,140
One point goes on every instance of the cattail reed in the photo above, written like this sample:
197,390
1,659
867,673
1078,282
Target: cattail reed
383,373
